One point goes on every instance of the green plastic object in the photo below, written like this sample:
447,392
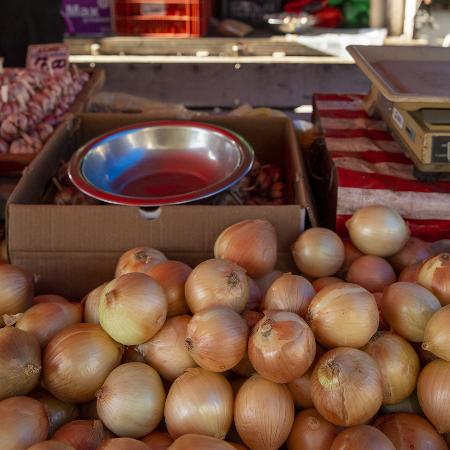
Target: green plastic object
356,12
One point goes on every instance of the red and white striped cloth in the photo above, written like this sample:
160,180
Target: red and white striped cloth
373,169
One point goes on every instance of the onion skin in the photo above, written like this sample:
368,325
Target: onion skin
436,337
123,443
199,442
409,431
346,387
23,423
371,272
410,273
83,434
311,432
20,362
409,405
263,413
132,354
157,440
435,276
77,361
266,281
254,295
49,298
433,392
351,253
252,244
415,251
51,445
252,318
362,437
91,303
139,259
320,283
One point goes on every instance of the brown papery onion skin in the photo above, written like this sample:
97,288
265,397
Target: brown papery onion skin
244,367
320,283
23,422
216,338
77,361
263,413
46,298
266,281
398,363
139,259
51,445
158,440
409,431
435,276
436,338
410,274
217,282
83,434
91,303
252,318
254,296
407,307
199,401
371,272
237,446
415,251
383,326
123,443
199,442
20,362
132,354
281,347
289,293
166,351
311,432
351,253
343,314
378,230
346,387
433,392
362,437
252,244
318,252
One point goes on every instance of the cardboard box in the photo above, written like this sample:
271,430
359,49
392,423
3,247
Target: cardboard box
74,248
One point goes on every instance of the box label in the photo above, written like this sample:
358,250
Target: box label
397,118
88,17
153,9
53,58
440,149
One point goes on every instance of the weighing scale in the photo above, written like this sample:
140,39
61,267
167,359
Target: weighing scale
411,92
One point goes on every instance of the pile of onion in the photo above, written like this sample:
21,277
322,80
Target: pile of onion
436,337
51,445
139,259
371,272
91,303
157,440
123,443
415,251
435,276
199,442
362,437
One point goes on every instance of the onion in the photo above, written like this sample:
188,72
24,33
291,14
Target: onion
172,276
132,354
254,295
199,442
362,437
318,252
138,259
378,230
88,410
237,446
244,367
410,273
77,361
408,431
407,307
415,251
382,325
83,434
16,291
200,402
435,276
217,282
263,413
351,253
436,338
266,281
346,387
343,314
132,308
398,364
289,293
311,432
433,392
166,351
425,356
281,346
91,303
409,405
320,283
252,244
49,298
23,423
371,272
51,445
252,318
123,443
131,401
20,362
158,440
217,338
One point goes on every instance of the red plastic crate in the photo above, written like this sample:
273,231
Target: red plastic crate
162,18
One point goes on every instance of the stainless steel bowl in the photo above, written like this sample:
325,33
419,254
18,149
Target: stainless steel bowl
161,163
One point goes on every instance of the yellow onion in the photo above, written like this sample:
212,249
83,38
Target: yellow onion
51,445
16,291
138,259
409,405
436,338
371,272
244,367
320,283
77,361
289,293
351,253
23,422
362,437
311,432
157,440
252,318
266,281
131,400
91,303
281,347
123,443
199,402
217,282
407,307
254,295
398,364
132,354
433,392
382,325
237,446
263,413
83,434
166,351
132,308
409,431
199,442
410,273
318,252
378,230
346,387
252,244
216,338
172,276
20,362
435,276
49,298
343,314
415,251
